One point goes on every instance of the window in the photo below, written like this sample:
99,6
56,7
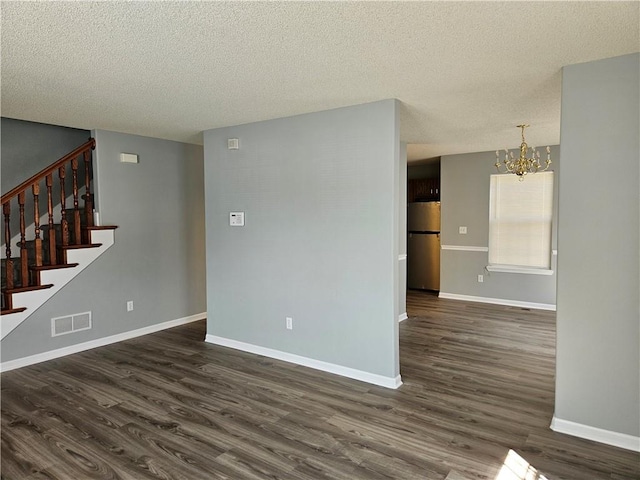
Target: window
520,215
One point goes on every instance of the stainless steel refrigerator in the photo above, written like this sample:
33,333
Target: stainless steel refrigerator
423,245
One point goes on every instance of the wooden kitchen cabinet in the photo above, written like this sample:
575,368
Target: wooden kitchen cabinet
423,190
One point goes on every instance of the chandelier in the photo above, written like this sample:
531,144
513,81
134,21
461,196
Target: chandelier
522,165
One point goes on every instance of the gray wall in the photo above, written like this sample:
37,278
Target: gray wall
402,230
321,237
464,185
28,147
158,257
598,364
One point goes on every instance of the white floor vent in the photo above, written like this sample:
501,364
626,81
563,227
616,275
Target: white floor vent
70,323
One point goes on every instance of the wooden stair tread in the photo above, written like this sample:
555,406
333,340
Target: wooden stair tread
53,267
27,289
9,311
82,245
101,227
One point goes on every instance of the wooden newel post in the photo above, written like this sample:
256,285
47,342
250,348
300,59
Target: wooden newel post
36,222
76,210
51,233
6,210
24,260
64,225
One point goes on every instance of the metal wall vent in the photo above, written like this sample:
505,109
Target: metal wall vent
70,323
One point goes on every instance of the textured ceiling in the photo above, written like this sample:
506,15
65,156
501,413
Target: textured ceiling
465,72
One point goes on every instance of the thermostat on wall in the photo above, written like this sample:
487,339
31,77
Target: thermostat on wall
236,219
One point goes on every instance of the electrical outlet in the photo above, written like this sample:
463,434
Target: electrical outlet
480,278
462,230
130,306
289,323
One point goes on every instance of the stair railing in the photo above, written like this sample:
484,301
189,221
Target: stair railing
32,185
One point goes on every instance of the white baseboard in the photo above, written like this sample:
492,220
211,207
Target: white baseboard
621,440
498,301
100,342
388,382
402,317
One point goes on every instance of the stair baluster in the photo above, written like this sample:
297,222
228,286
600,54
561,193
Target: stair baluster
24,259
35,188
76,211
88,199
64,225
6,209
51,233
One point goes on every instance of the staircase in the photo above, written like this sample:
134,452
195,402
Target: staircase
48,256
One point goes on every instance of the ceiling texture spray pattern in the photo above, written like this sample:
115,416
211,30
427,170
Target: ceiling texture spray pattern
465,72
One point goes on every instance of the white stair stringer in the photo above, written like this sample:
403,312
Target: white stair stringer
59,278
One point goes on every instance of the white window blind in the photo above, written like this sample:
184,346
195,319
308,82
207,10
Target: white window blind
520,215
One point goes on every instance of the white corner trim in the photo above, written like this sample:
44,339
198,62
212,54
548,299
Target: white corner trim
388,382
523,270
621,440
402,317
464,248
100,342
498,301
402,257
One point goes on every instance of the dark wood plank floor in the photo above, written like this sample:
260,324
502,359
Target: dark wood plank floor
476,403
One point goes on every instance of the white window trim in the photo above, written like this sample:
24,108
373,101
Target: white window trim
515,269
